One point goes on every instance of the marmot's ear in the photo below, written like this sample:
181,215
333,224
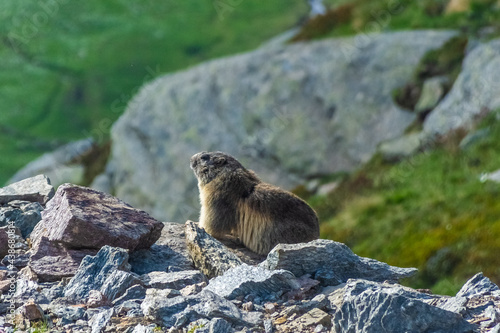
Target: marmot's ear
220,160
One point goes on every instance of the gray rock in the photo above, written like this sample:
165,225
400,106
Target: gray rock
69,314
372,308
478,285
134,292
93,271
474,92
34,189
208,254
219,325
331,263
260,107
492,176
117,283
175,280
24,214
474,299
246,280
159,308
99,321
432,92
62,165
169,253
179,311
402,147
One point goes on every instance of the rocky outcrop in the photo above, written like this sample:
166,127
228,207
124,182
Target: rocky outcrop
77,222
474,93
288,112
318,286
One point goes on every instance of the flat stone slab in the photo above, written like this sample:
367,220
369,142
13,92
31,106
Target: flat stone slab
34,189
331,263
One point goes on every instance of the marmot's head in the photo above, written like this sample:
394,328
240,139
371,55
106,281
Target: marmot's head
209,166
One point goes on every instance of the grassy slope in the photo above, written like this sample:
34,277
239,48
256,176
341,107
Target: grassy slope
430,211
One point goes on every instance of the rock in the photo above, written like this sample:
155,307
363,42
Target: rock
93,271
69,314
193,289
34,189
80,217
117,283
176,280
4,242
208,254
331,263
77,222
31,311
169,253
478,285
474,92
260,106
432,92
402,147
314,318
99,321
52,261
62,165
247,280
492,177
375,308
134,292
24,215
179,311
219,325
477,301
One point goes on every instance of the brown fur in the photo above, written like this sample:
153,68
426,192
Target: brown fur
235,201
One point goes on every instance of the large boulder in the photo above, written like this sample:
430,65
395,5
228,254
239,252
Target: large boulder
288,112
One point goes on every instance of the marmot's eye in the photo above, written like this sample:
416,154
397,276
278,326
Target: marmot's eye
205,157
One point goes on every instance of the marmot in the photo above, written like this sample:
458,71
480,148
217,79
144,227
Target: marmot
235,201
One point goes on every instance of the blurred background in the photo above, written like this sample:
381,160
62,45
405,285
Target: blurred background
71,68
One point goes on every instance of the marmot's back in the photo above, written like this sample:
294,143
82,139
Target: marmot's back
235,201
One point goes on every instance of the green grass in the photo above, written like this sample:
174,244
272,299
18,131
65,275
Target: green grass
430,211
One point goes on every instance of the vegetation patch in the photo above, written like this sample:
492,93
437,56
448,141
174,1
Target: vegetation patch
430,211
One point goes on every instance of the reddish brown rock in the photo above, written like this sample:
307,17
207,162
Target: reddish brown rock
78,221
81,217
